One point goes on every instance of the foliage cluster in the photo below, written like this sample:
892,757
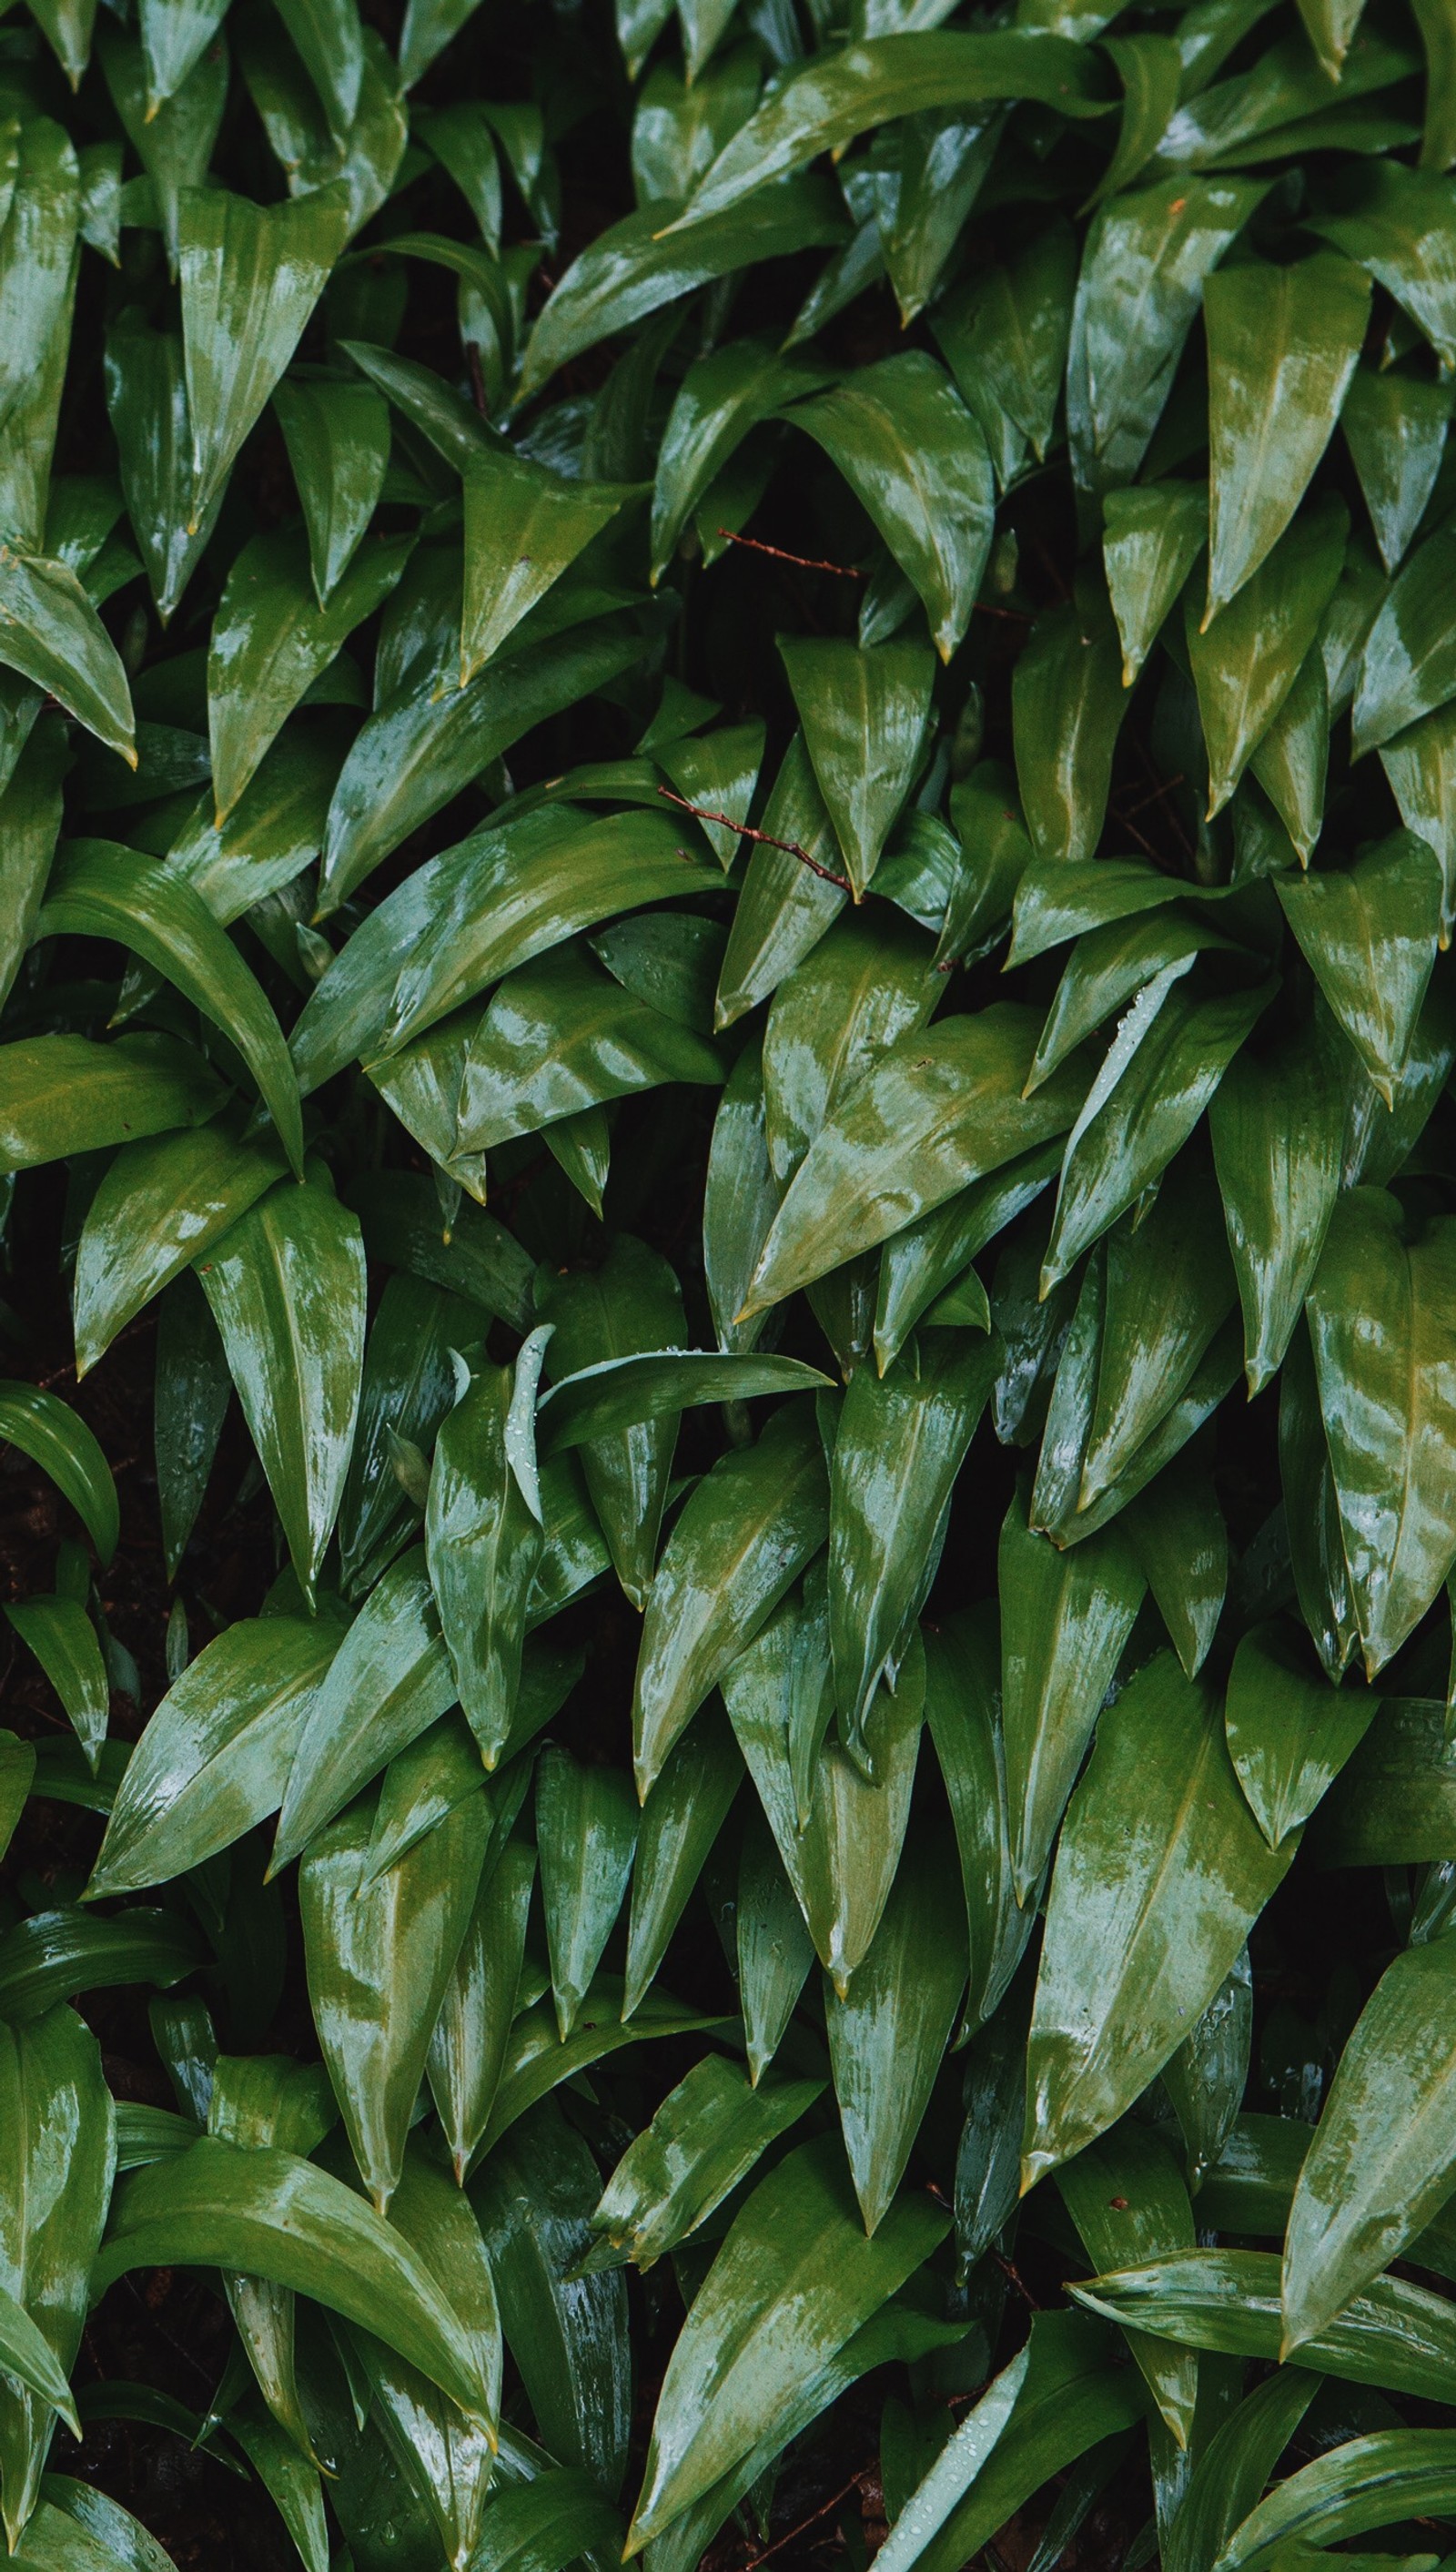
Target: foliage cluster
727,846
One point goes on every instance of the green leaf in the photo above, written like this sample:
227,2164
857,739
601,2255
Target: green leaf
37,268
1397,223
161,1204
1159,1073
286,1291
567,2334
845,699
1288,1736
53,1955
1386,1401
1381,2163
1127,2201
338,437
1282,346
1066,691
525,527
735,2362
64,1642
743,1535
914,456
901,1441
559,1036
1377,2481
1395,429
784,907
601,1315
1276,1127
1143,267
1170,1287
48,1430
861,985
826,104
251,276
98,890
957,2467
271,639
1161,1872
889,2031
1235,2465
467,2045
722,396
1369,935
393,1680
57,2159
586,1829
379,1957
483,1543
1003,336
1246,660
704,2139
1065,1620
839,1823
51,634
963,1710
1406,669
939,1110
1396,2335
175,36
269,2214
146,395
1153,537
1177,1530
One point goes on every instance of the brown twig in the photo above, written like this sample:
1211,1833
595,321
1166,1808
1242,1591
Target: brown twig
765,839
1012,2275
804,562
822,2511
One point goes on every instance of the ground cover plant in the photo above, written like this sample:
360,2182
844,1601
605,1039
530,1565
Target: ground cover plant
727,851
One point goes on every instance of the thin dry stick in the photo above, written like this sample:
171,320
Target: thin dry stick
804,562
822,2511
765,839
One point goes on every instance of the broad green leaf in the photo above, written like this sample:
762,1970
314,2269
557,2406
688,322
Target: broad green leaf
1386,1395
1282,346
600,1315
1396,2335
175,36
1143,267
57,2159
1159,1073
161,1204
1276,1129
1369,935
327,35
172,140
51,1435
1169,1286
722,396
484,1542
54,1955
1246,660
1418,765
919,1265
956,2469
785,905
743,1535
268,2214
841,1829
706,2137
467,2045
889,2031
586,1831
1127,2201
562,1035
826,104
286,1291
1406,669
639,264
1382,2480
940,1110
416,752
680,1822
861,986
1161,1872
270,2100
1289,1733
847,699
901,1441
251,276
1178,1534
775,1952
338,437
421,1786
567,2333
740,1199
37,268
61,1636
51,634
716,775
1235,2465
30,819
1067,702
393,1680
146,395
915,459
271,639
1381,2163
17,1774
963,1710
215,1757
95,2515
537,2062
1397,223
1004,338
1395,429
378,1958
98,890
525,527
1065,1618
736,2360
1153,536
